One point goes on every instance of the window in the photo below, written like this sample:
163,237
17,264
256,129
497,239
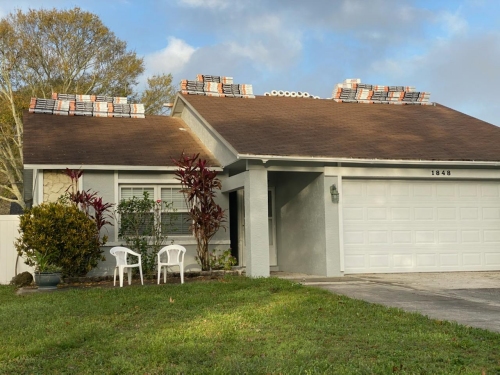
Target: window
178,217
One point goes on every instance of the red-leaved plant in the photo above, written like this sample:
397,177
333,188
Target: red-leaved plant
89,202
199,184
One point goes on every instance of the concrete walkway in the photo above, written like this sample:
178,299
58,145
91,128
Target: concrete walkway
469,298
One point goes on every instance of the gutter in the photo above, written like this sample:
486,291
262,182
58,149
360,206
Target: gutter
107,167
266,158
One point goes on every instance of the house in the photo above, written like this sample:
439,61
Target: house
312,186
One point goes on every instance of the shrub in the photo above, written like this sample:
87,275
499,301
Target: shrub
144,225
62,234
221,260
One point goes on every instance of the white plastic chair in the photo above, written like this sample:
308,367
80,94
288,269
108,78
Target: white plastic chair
175,257
120,253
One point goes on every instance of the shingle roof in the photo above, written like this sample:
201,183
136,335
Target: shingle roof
84,140
300,127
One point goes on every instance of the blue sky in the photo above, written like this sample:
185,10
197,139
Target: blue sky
450,48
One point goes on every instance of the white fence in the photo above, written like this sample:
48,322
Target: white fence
9,225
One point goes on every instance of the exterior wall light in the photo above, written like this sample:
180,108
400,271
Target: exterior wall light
335,194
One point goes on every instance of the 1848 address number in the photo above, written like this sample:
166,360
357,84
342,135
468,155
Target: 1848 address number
438,172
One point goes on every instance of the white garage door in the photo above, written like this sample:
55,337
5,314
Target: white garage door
420,226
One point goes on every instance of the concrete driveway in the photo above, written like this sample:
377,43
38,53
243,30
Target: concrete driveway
469,298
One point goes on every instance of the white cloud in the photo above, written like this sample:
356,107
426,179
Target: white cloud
171,59
460,72
268,41
453,23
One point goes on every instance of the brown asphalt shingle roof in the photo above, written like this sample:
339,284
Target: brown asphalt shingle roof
84,140
323,128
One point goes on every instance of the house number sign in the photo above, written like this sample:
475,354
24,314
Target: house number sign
440,172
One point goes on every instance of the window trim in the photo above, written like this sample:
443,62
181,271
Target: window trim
156,196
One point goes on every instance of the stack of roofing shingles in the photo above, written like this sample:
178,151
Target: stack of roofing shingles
353,91
216,86
87,105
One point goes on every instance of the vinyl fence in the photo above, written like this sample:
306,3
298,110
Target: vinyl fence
9,225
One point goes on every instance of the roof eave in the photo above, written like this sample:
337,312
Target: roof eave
108,167
266,158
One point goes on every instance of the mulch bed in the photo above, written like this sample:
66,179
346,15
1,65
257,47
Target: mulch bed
107,281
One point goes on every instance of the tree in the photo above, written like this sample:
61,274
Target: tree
159,91
44,51
199,184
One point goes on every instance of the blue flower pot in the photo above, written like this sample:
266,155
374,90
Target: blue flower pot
47,280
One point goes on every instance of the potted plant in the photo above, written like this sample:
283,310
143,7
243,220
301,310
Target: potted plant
47,275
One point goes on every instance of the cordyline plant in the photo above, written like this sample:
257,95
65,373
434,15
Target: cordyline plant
199,184
88,202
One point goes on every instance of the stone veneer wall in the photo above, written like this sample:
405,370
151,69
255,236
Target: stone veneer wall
55,184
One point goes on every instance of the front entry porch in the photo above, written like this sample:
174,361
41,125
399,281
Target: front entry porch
283,221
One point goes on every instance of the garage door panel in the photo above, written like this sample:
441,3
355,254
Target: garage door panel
471,236
489,191
490,213
472,259
377,213
449,260
423,213
448,237
469,213
400,190
446,190
470,190
491,236
354,213
401,237
400,213
403,260
446,213
421,190
492,259
418,226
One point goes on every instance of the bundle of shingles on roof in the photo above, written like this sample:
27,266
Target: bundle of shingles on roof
216,86
353,91
87,105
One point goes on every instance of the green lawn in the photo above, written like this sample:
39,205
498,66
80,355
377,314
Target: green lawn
229,326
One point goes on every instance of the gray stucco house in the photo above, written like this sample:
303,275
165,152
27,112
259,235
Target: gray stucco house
311,186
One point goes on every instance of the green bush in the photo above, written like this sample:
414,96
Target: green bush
63,234
144,225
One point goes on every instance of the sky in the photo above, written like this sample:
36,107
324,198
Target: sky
450,48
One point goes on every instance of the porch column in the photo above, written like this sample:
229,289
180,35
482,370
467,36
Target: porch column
256,223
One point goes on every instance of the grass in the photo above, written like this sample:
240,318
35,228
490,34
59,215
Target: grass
230,326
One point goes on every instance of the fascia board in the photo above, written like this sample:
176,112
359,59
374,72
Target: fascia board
106,167
211,129
266,158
